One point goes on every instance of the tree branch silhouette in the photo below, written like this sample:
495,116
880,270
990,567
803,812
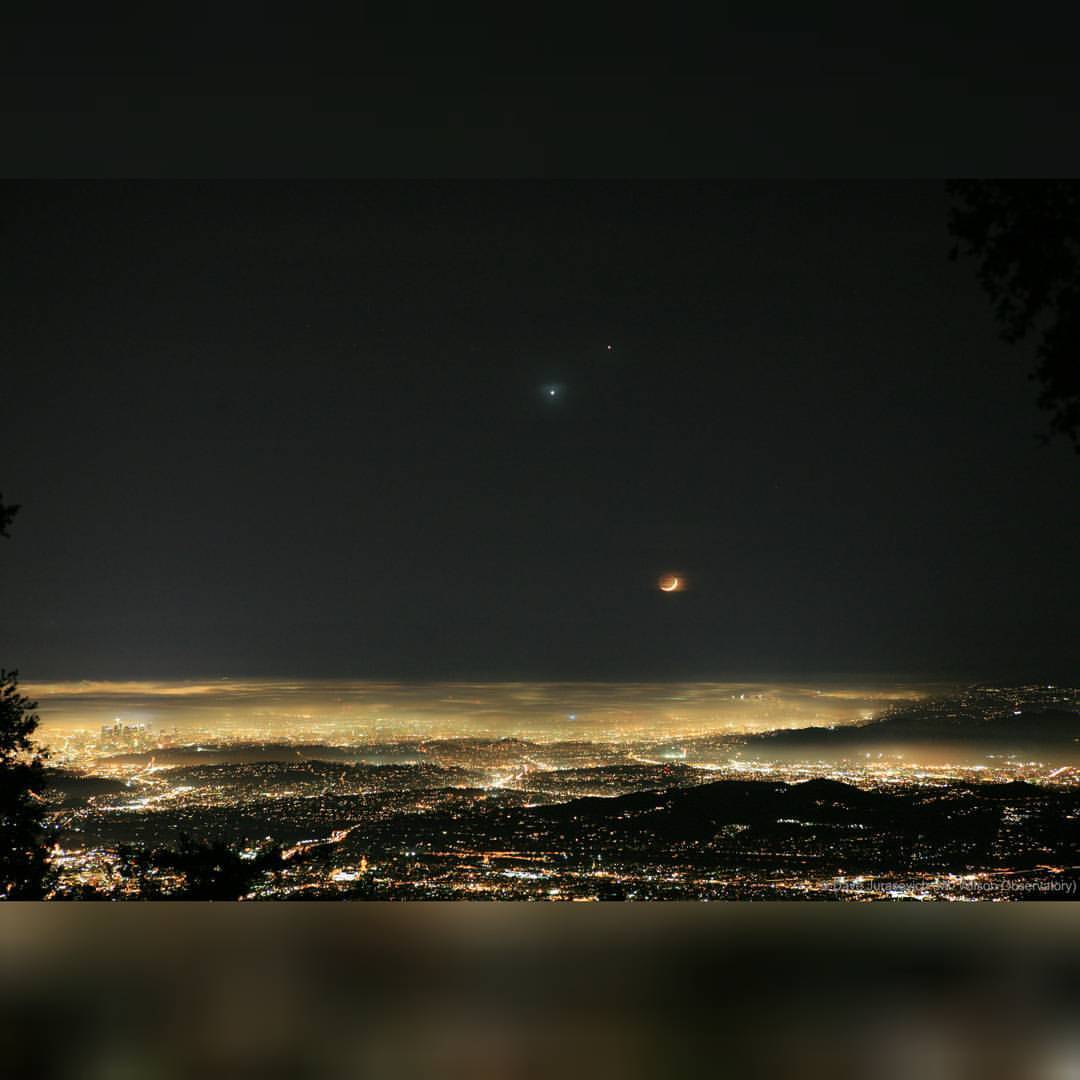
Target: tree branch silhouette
1025,236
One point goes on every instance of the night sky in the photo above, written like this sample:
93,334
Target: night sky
303,429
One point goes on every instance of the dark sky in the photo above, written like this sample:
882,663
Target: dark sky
274,428
416,90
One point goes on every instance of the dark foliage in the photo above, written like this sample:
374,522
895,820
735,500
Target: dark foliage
7,513
24,868
193,870
24,865
1026,238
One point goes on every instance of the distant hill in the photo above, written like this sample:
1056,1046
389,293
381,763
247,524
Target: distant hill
749,818
249,753
1053,734
71,788
699,811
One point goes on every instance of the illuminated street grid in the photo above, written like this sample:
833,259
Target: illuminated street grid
372,815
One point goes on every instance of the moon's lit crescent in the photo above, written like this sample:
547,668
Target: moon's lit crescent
669,584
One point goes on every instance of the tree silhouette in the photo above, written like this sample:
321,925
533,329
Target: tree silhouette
24,865
6,515
1026,238
193,870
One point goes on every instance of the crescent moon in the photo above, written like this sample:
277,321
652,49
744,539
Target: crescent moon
673,584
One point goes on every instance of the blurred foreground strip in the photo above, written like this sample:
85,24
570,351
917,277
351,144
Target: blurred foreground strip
147,991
